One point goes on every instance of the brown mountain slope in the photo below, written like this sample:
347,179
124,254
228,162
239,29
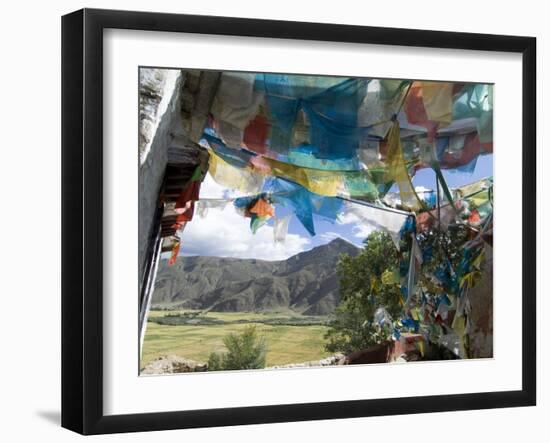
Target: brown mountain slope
306,282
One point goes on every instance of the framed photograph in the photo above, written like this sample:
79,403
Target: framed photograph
270,221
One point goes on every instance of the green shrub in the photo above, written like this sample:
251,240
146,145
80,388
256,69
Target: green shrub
215,362
246,350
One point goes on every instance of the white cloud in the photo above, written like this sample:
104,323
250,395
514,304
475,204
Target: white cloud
329,236
360,229
225,233
210,189
347,217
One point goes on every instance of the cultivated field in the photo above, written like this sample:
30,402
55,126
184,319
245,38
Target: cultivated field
290,338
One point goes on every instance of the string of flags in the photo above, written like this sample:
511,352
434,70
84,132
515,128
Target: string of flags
329,146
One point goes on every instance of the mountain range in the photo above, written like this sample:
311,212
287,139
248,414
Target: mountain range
306,283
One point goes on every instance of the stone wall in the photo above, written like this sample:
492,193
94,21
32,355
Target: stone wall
481,316
173,110
158,92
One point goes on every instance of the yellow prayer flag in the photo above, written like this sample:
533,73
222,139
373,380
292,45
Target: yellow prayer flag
438,101
327,183
397,170
245,180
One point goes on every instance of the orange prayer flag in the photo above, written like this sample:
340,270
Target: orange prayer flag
474,217
175,252
262,209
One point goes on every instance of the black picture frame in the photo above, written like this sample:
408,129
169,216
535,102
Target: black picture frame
82,219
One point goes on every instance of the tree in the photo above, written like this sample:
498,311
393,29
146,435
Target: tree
367,282
246,350
371,280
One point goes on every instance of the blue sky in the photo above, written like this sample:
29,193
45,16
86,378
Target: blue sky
225,233
484,168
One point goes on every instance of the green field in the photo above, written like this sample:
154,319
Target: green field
285,343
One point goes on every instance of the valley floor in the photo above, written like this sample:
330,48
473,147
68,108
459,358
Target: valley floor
286,343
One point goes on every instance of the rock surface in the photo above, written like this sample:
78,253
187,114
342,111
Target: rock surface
172,364
156,90
329,361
